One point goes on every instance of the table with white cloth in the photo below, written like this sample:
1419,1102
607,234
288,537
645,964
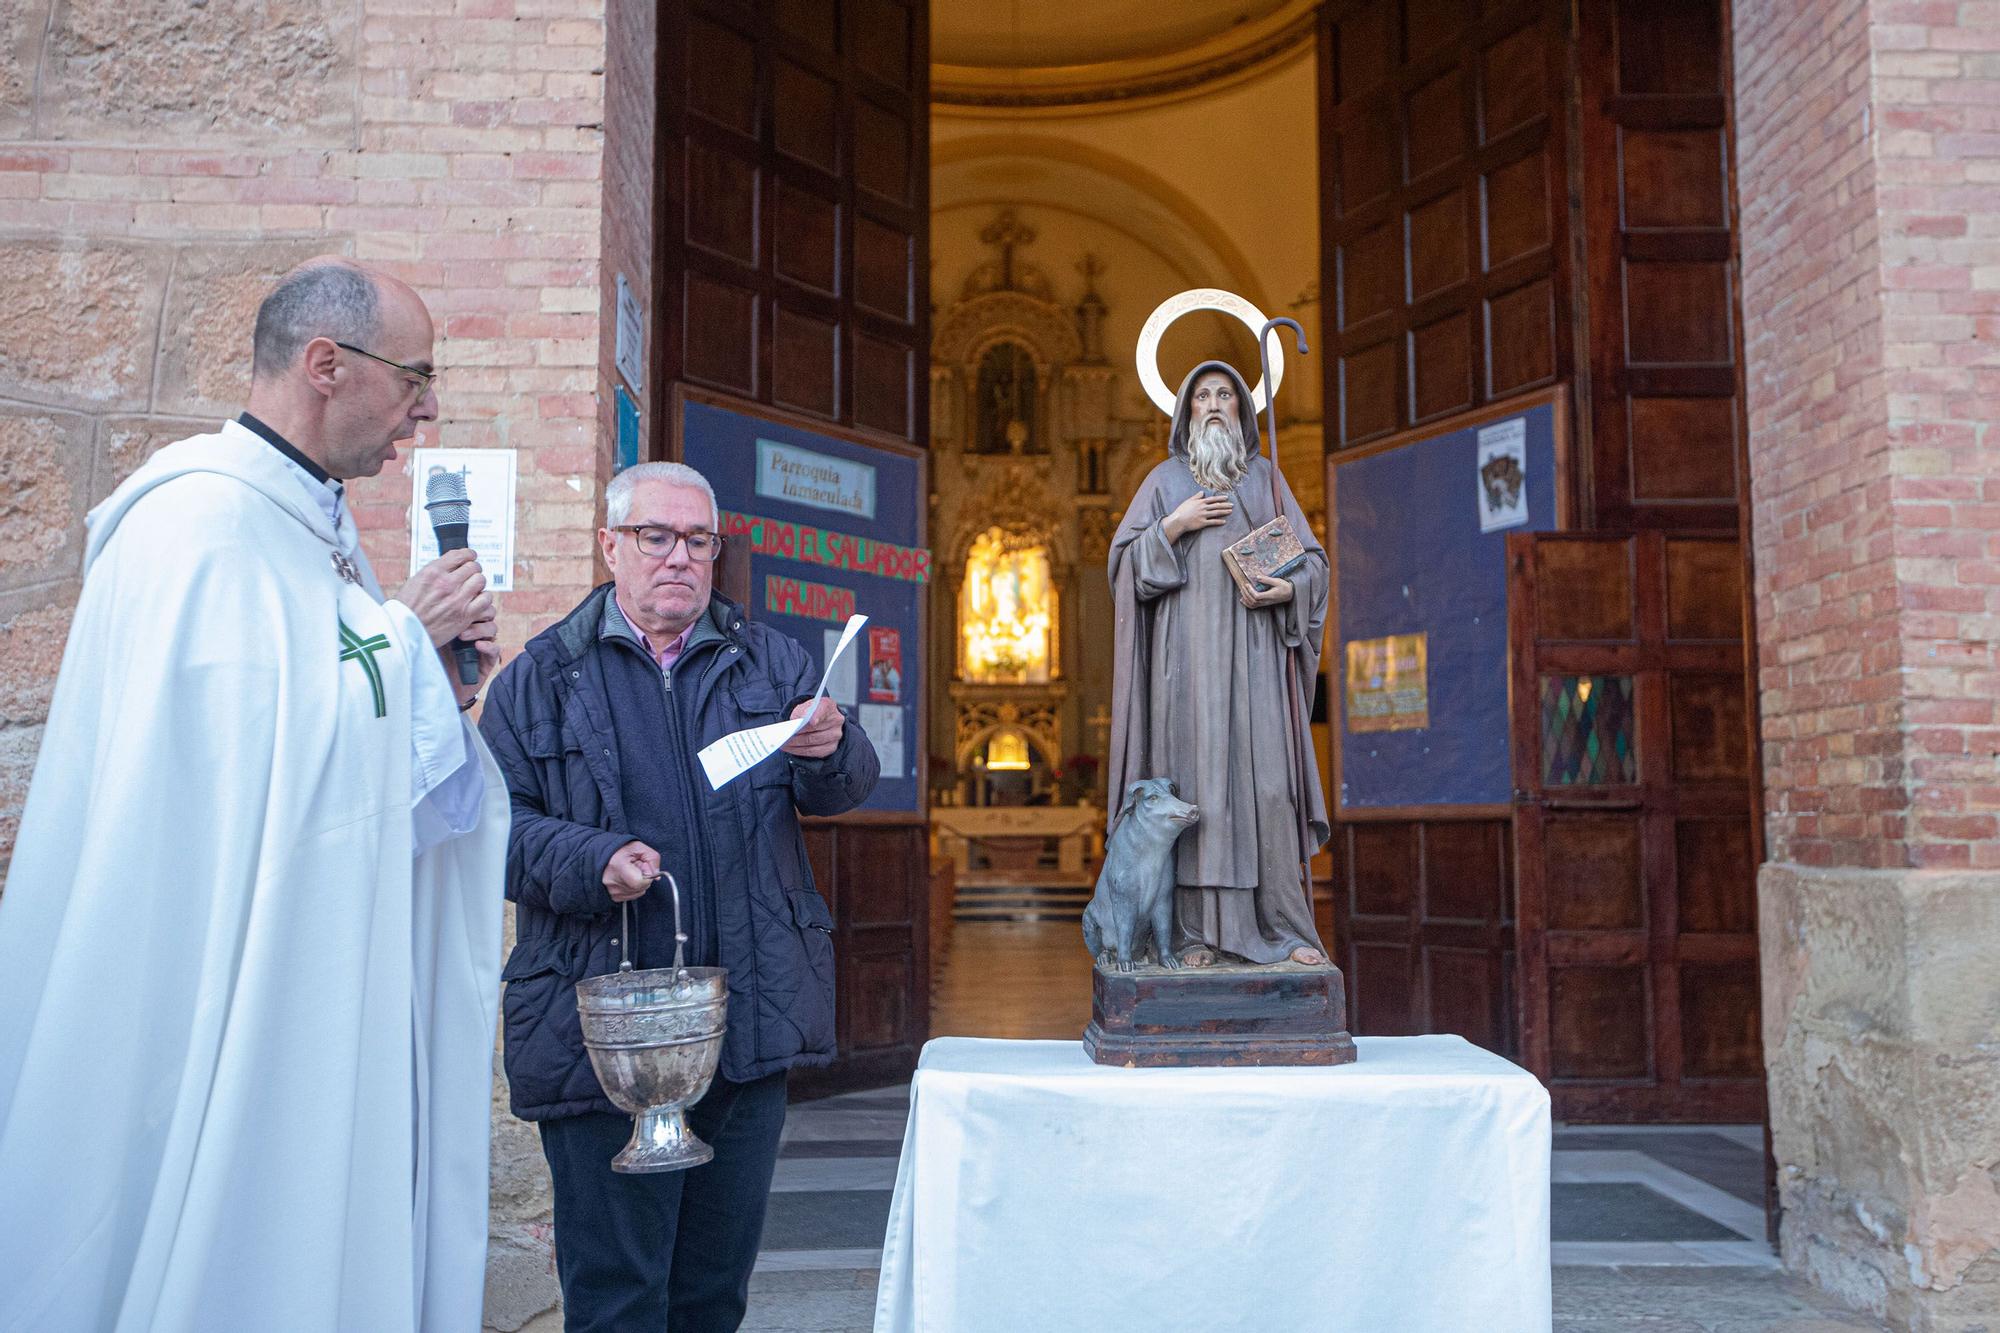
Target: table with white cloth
1037,1190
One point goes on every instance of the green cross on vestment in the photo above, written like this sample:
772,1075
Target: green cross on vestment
354,648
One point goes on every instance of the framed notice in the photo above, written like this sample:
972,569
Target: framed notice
832,523
1387,685
489,485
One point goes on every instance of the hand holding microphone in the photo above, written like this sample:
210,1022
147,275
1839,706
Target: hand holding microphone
449,595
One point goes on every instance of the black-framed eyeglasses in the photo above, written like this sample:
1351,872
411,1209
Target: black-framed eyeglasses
659,542
423,379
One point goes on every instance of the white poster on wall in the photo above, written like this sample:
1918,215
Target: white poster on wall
489,485
1503,474
884,725
840,682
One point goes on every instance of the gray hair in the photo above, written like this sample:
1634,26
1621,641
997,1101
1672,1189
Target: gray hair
320,300
618,495
1215,455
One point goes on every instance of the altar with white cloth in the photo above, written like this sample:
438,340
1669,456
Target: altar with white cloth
1408,1191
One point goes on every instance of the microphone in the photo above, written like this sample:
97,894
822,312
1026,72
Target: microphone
451,517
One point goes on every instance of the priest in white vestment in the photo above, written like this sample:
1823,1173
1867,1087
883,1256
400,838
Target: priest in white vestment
249,943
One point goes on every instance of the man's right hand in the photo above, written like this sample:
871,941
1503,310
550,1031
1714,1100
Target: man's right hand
631,871
1200,510
449,595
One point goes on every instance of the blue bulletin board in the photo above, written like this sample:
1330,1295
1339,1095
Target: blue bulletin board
1420,538
833,525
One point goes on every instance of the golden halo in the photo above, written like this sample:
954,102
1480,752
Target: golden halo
1200,298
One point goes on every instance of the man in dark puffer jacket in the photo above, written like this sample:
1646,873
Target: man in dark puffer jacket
596,725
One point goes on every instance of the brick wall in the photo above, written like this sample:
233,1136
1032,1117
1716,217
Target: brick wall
1869,150
1869,185
1937,103
160,164
1828,614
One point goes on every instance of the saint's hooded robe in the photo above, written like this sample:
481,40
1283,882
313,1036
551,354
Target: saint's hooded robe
247,981
1199,697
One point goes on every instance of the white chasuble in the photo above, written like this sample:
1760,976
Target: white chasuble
245,1034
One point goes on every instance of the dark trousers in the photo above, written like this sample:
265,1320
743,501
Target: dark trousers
671,1251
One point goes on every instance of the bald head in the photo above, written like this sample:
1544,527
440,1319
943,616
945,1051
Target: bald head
328,297
341,364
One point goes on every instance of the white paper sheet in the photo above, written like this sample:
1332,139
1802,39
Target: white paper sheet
735,754
840,678
884,725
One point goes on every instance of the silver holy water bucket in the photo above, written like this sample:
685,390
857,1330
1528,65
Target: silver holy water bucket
654,1037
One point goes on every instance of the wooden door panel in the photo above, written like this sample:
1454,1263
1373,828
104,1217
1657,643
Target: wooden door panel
1423,925
767,201
1711,739
1584,589
1635,832
1598,1028
1653,124
1461,987
1719,1018
1465,876
1590,865
1384,977
1443,215
1715,876
1383,869
1704,589
793,208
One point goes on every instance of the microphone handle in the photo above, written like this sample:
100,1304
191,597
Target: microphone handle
466,653
451,537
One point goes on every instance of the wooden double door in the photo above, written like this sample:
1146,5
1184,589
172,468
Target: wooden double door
1635,826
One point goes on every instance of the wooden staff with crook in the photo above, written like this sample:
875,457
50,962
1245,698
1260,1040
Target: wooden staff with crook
1299,772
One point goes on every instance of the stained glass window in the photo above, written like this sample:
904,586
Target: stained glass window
1589,731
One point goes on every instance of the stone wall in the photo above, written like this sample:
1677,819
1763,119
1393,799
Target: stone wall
160,163
1868,139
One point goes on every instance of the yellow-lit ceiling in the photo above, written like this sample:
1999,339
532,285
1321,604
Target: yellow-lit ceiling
1013,34
1014,57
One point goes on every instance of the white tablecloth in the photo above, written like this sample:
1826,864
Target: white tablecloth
1037,1190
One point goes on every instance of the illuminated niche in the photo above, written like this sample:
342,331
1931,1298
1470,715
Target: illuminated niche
1006,611
1007,752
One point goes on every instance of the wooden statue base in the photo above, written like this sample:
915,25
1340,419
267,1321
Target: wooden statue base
1283,1014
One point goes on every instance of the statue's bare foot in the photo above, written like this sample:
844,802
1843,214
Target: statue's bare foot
1309,957
1198,956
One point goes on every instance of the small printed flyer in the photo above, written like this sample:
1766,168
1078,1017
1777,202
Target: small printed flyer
885,665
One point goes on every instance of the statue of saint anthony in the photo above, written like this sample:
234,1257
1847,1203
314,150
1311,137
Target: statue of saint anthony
1200,684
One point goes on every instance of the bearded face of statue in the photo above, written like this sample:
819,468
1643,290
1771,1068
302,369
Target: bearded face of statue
1215,434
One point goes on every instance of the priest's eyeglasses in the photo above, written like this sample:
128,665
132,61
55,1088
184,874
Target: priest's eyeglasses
421,380
658,542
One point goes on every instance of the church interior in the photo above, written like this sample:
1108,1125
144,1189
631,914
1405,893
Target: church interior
1085,166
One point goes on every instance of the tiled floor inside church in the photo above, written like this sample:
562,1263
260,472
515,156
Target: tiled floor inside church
1656,1230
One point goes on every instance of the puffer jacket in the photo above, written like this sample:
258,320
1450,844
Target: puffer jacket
552,726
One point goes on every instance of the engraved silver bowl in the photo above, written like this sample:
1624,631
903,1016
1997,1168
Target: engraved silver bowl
654,1037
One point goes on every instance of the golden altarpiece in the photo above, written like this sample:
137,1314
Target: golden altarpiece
1033,464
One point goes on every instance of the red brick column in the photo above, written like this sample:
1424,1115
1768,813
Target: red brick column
1868,145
